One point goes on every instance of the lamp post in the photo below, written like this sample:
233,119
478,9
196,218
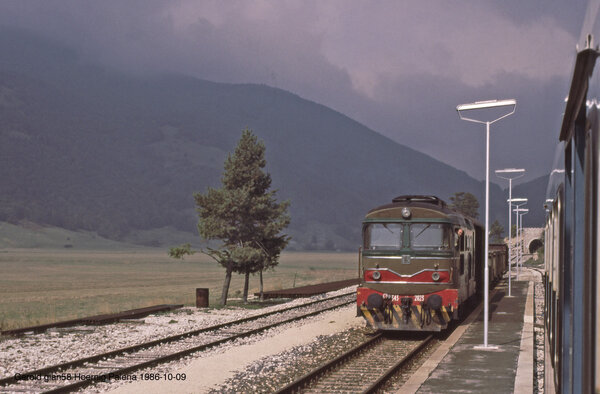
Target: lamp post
510,174
517,202
518,240
477,106
520,212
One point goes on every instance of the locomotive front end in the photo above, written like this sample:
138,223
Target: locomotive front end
408,265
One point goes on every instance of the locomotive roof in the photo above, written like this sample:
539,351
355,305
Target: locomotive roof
428,202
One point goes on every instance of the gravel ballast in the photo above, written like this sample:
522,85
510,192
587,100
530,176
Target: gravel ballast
260,363
29,352
218,367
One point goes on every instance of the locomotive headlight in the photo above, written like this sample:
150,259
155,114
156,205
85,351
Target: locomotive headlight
376,275
435,276
406,213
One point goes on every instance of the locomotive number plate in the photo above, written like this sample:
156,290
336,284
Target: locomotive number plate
391,297
420,298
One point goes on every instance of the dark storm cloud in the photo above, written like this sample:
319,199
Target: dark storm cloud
569,16
225,42
398,67
432,125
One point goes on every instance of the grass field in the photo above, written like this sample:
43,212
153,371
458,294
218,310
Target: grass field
39,286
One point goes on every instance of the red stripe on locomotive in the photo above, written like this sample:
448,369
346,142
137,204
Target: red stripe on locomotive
449,297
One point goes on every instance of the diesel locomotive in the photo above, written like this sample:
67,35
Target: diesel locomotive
421,264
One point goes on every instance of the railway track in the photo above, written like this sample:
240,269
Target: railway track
121,363
94,320
363,369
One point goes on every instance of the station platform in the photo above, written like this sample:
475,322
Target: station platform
463,365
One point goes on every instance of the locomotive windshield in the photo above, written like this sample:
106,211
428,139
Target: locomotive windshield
430,236
383,236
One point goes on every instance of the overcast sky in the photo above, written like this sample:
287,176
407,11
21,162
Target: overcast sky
399,67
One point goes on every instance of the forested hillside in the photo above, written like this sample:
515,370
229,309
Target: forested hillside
535,192
88,148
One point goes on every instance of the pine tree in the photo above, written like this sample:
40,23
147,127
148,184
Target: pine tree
496,231
244,215
465,203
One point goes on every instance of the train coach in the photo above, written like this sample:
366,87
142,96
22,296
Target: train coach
572,235
421,265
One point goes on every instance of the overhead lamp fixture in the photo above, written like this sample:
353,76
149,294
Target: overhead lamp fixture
516,171
486,104
514,200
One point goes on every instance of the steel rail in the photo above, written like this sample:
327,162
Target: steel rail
183,353
297,384
393,369
94,320
315,374
174,338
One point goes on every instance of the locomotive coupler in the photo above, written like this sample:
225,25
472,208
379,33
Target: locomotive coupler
405,306
425,315
388,312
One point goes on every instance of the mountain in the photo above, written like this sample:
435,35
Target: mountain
535,192
85,147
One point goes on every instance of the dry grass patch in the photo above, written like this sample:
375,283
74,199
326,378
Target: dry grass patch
43,286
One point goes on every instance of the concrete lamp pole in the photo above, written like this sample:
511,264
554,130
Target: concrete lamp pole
518,241
520,212
510,174
517,203
479,105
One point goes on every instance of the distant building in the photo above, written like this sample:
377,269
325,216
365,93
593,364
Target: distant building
533,239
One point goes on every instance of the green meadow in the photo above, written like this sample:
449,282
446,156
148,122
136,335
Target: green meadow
39,286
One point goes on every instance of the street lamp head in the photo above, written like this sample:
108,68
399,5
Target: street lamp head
486,104
510,173
514,200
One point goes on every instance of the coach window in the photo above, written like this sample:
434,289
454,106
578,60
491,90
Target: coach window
430,236
383,236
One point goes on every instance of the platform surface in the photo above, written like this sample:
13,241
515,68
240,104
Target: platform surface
463,365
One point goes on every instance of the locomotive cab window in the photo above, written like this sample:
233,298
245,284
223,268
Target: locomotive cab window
430,236
383,236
